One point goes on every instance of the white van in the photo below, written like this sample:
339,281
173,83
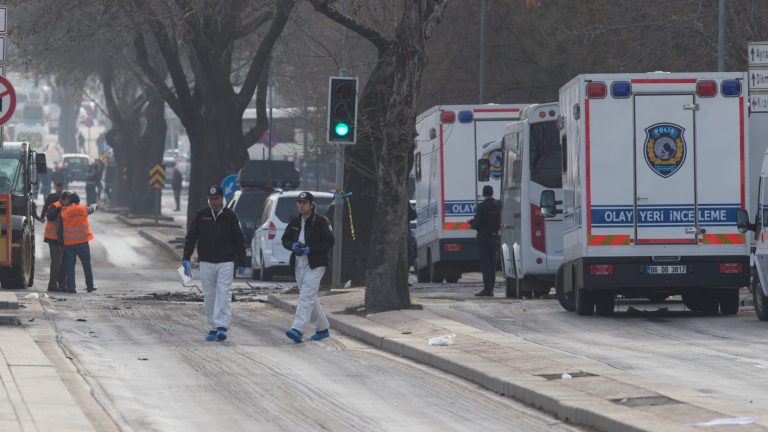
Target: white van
656,167
269,255
530,159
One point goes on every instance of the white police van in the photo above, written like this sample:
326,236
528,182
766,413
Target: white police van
760,274
530,155
656,167
451,138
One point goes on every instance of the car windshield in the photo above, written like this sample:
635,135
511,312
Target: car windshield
249,205
286,207
11,180
75,161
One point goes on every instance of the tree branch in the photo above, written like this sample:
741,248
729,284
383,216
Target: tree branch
261,59
253,135
142,58
252,25
323,7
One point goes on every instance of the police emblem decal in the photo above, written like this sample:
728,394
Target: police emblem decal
665,149
213,191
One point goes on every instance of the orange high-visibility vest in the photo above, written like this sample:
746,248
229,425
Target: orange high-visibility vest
76,227
50,227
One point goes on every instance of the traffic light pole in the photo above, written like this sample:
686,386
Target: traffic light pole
337,211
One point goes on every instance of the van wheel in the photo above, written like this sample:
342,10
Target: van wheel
692,301
604,304
422,274
710,302
585,302
453,275
567,300
729,301
759,299
509,283
435,272
265,274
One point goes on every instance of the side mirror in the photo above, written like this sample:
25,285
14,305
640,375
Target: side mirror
483,170
742,222
42,167
547,204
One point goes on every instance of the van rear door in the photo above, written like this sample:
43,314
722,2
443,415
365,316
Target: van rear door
665,176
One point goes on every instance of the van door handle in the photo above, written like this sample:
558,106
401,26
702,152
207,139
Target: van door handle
641,198
691,107
695,230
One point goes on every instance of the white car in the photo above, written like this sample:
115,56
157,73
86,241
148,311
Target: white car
269,255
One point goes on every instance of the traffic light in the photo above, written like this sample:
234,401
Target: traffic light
342,110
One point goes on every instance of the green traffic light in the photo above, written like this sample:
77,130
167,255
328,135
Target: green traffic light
342,129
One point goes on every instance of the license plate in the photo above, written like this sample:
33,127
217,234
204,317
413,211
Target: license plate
671,269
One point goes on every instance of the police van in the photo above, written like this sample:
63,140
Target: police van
530,156
450,139
654,171
760,236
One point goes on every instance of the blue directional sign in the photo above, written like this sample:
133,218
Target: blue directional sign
229,184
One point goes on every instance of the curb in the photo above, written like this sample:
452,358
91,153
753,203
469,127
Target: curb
567,405
170,249
12,320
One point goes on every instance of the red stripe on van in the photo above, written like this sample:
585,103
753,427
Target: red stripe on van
664,81
589,185
442,175
741,138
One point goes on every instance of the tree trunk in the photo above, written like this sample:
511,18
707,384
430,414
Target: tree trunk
149,152
70,100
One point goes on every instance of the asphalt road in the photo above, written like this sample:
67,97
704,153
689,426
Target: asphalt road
724,356
150,369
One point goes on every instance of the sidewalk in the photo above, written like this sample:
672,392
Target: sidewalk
32,395
597,395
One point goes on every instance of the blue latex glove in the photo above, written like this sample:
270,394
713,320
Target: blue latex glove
304,251
187,268
240,270
295,247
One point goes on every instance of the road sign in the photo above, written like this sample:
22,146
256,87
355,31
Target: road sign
2,70
2,49
758,102
758,79
757,54
270,140
229,184
3,19
7,100
157,176
88,123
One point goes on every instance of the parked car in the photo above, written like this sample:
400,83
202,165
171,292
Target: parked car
74,166
269,255
247,203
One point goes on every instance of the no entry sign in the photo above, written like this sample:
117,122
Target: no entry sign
7,100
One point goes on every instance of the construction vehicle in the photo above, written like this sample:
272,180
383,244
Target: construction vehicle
19,168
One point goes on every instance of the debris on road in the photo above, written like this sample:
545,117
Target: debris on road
82,320
31,296
143,359
567,376
443,340
726,422
31,320
22,306
61,299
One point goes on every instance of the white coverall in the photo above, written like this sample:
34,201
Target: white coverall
309,305
217,291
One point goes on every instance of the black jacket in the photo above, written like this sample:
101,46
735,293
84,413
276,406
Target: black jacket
487,220
218,239
319,238
177,181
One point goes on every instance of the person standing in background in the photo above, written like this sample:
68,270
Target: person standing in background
176,185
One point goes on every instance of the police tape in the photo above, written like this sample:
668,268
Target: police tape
341,194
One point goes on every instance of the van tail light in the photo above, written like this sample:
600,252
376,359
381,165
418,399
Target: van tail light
452,247
731,268
271,231
538,230
601,270
706,88
596,90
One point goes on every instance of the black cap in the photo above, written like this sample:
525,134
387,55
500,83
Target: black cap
487,190
65,194
74,198
58,184
215,192
306,196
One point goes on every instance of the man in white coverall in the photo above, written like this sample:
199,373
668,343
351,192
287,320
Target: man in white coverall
220,242
309,236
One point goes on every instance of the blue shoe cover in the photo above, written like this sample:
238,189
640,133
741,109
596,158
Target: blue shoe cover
221,335
320,336
293,335
210,337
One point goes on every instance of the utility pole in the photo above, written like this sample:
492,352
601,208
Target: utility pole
271,90
337,210
483,7
721,39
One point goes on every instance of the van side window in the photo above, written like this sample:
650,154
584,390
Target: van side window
417,166
564,150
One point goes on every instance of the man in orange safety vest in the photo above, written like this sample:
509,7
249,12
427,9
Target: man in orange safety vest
73,233
58,278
